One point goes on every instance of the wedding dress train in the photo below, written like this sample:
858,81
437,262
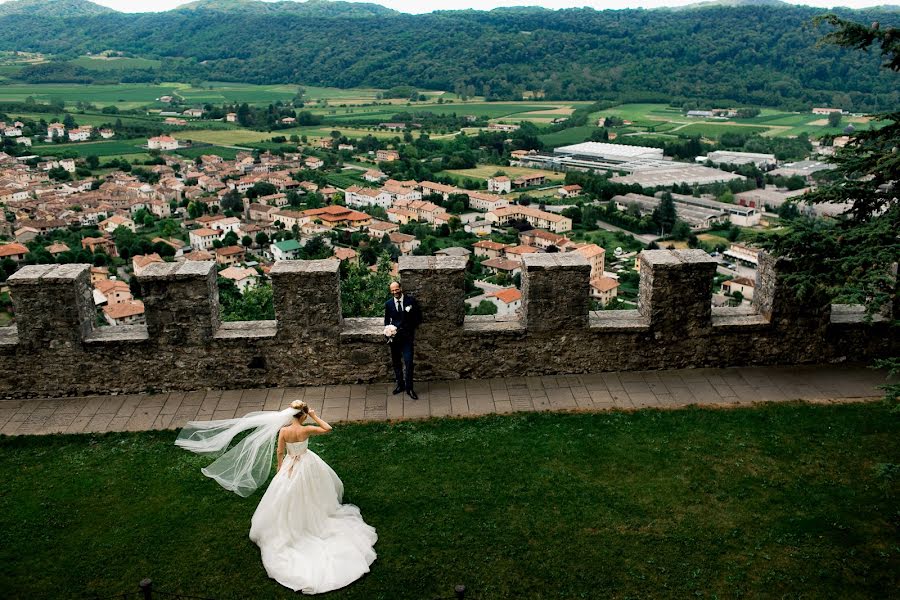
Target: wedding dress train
310,542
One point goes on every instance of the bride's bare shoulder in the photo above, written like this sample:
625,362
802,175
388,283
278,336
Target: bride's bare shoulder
295,433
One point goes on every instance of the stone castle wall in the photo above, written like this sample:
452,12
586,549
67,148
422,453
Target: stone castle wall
55,348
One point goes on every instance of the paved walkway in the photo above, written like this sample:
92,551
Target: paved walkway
594,392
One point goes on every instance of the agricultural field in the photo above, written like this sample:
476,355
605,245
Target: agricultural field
114,63
516,111
487,171
126,95
237,137
350,132
229,137
102,149
573,135
715,130
770,122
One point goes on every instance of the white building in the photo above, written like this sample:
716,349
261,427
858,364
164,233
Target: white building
130,312
163,142
285,250
227,224
203,238
507,301
499,185
80,134
726,157
622,152
363,196
242,278
536,218
485,202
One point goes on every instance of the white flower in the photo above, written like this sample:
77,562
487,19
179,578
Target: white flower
390,331
408,307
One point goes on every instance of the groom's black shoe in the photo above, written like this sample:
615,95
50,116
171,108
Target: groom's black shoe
398,390
412,394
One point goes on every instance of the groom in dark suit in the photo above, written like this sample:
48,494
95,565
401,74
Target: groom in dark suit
403,312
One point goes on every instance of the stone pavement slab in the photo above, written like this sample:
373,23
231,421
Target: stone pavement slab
742,386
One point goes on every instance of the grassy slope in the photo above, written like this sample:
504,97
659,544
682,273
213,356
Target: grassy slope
764,502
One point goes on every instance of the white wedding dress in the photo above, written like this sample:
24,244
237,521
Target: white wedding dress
310,542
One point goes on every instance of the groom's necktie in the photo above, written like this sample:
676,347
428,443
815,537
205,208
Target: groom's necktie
397,304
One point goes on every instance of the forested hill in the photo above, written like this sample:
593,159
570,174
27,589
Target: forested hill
764,55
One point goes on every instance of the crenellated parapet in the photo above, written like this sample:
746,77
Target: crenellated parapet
55,348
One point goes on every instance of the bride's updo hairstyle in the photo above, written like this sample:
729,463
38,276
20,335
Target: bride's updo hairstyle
302,408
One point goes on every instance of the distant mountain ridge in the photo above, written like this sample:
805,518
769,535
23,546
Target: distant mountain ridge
733,3
53,8
749,55
323,8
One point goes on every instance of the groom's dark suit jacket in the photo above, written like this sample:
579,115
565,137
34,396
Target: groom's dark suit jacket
405,320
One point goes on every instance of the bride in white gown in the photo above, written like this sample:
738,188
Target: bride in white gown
309,541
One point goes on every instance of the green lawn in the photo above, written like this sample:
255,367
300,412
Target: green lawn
778,501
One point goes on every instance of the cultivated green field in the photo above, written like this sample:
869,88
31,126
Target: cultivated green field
715,130
228,137
573,135
104,148
491,110
770,122
114,63
126,95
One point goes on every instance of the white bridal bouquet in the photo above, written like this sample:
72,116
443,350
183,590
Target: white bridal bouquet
389,332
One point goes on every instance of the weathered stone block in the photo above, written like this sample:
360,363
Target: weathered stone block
181,302
775,300
676,291
555,291
439,284
54,305
307,298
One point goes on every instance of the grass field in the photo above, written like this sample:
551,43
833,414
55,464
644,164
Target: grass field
114,64
104,148
770,122
350,132
94,119
493,110
487,171
715,130
228,137
122,95
777,501
573,135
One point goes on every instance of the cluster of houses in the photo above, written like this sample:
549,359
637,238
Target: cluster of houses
35,205
55,132
508,258
406,201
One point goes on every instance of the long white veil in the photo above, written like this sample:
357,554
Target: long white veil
246,466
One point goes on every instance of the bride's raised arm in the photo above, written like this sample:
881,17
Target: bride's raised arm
323,427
